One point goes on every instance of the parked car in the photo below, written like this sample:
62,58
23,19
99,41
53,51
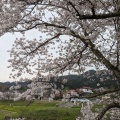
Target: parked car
79,100
84,100
74,100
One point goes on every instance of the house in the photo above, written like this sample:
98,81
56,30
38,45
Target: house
73,93
39,93
78,92
1,96
86,89
106,98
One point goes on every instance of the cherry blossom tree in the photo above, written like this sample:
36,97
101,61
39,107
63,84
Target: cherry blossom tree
83,33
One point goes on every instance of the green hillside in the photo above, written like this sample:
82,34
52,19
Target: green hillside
90,78
38,110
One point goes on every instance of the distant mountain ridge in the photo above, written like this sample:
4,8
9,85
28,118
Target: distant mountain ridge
90,78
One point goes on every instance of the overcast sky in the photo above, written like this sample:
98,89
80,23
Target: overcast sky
6,42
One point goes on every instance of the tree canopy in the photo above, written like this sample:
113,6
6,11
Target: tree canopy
91,27
81,32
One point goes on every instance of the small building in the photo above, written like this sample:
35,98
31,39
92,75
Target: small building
87,89
105,98
73,93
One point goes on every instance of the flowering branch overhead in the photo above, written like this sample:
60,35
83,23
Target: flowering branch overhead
95,16
72,35
106,108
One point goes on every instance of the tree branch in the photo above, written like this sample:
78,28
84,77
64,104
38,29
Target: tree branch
100,16
99,55
102,93
38,24
95,16
44,43
99,94
106,108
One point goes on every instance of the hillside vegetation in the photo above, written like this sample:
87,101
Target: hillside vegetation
90,78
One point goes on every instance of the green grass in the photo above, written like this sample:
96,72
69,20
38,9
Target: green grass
41,110
38,110
96,107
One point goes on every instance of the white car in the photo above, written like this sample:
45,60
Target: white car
74,99
84,100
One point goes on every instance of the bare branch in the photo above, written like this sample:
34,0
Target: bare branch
106,108
99,94
99,55
44,43
102,93
95,16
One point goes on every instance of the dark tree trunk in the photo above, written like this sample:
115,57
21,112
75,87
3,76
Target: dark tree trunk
106,108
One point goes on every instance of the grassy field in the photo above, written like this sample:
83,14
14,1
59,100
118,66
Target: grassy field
38,110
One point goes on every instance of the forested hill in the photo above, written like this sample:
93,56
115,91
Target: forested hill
90,78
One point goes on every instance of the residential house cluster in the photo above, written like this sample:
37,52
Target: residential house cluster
76,93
